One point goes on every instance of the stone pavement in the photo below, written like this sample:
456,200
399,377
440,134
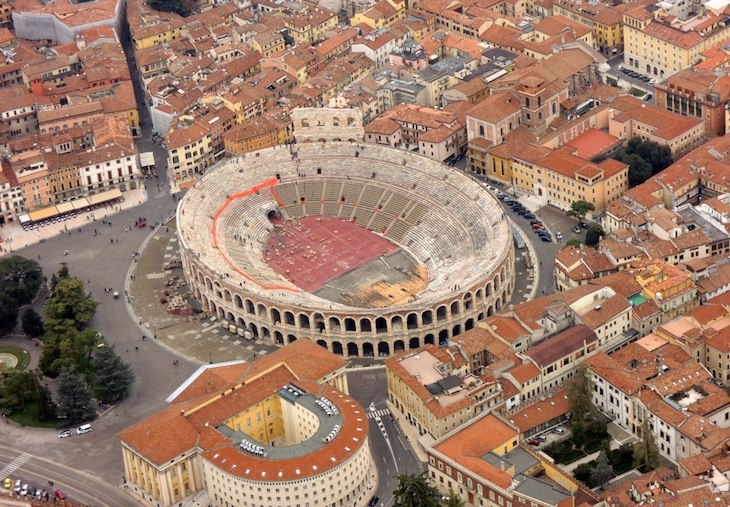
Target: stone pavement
196,338
14,237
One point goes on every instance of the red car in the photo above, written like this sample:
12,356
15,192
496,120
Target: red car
533,441
60,494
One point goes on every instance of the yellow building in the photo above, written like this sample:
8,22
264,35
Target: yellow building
310,25
381,15
272,129
657,44
669,286
151,34
241,431
604,18
189,150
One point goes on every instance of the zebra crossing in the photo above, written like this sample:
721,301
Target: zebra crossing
378,413
15,464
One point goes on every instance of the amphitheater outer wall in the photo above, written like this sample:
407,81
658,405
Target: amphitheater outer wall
280,317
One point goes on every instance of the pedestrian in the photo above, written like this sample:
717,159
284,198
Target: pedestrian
136,348
39,257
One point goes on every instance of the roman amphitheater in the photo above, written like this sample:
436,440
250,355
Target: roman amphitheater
364,249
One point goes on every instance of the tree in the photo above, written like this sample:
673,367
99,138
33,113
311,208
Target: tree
46,406
453,500
646,452
31,322
20,387
580,209
84,344
594,235
69,304
8,313
74,397
20,278
113,377
415,491
580,395
182,7
639,169
603,471
574,242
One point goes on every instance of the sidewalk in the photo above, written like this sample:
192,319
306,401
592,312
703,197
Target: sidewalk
15,237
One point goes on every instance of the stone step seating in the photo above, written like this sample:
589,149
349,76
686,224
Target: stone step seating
396,204
311,190
332,191
346,211
331,208
371,196
380,222
287,193
398,230
363,216
414,212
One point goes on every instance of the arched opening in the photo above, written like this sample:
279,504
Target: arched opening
367,349
249,307
443,338
319,322
456,330
441,313
278,338
490,311
304,321
275,316
366,326
412,321
240,322
337,348
289,318
396,323
261,312
254,331
381,325
497,283
428,339
469,324
480,316
467,301
479,294
498,305
489,289
398,346
334,324
290,338
208,284
352,350
230,317
265,333
239,301
414,343
227,295
383,349
350,324
322,344
455,308
427,318
221,313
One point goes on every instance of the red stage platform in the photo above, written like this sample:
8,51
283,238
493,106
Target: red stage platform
313,250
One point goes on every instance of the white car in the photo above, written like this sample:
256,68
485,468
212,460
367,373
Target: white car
24,490
64,434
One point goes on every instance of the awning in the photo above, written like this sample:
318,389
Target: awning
44,213
64,207
109,195
24,218
147,159
80,203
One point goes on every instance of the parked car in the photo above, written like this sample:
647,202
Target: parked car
542,438
559,430
64,434
575,229
647,97
559,235
60,494
24,490
18,486
538,226
528,216
585,225
533,441
373,501
546,239
8,483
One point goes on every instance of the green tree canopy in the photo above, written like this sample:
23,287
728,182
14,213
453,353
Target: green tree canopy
603,471
182,7
414,491
18,388
69,304
646,452
74,397
20,278
453,500
31,322
580,394
112,377
580,209
8,313
594,235
574,242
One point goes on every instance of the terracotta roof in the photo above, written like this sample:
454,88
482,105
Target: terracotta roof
541,412
561,345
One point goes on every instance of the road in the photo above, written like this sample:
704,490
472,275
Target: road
391,451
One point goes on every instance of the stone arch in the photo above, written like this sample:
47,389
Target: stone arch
319,322
469,324
396,322
322,344
488,288
230,317
353,349
412,321
490,311
456,330
254,330
266,334
480,316
290,338
238,301
278,338
227,295
441,313
208,284
427,317
414,342
479,294
428,339
221,313
498,304
240,322
337,348
455,308
467,301
250,307
289,318
366,326
443,337
261,311
304,321
350,324
381,325
275,316
367,350
383,349
334,324
497,282
398,346
201,278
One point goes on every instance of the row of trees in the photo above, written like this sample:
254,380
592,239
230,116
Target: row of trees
414,490
644,158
